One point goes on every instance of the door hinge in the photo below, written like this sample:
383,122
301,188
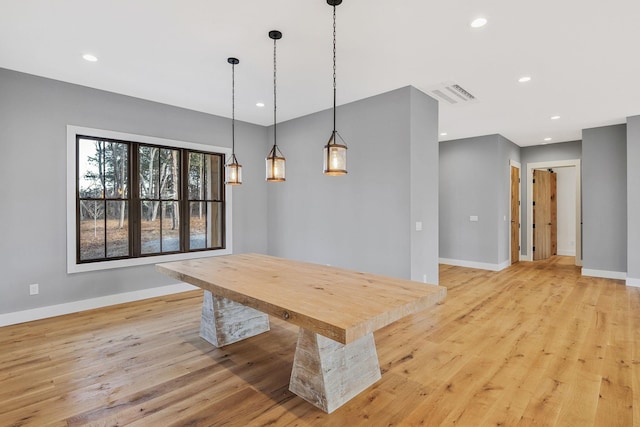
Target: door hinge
534,249
534,226
534,203
534,181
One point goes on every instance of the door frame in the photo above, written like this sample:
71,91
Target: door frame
550,165
513,163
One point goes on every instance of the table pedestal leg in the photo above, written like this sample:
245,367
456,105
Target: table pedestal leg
225,322
328,374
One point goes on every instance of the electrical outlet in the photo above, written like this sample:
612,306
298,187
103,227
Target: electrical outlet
34,289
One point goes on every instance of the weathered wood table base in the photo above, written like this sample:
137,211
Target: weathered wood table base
225,322
325,373
337,311
328,374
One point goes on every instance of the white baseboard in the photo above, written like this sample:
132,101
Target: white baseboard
88,304
504,265
618,275
473,264
566,253
633,282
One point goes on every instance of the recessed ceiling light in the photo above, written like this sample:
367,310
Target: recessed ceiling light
89,57
524,79
478,22
443,134
547,139
260,104
555,117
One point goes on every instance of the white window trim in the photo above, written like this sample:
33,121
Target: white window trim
72,265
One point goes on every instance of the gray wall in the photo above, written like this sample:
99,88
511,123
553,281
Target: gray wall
604,198
474,181
424,187
633,198
536,154
360,221
34,113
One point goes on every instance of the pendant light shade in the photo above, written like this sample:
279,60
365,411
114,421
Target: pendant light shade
275,165
335,153
335,156
275,161
233,170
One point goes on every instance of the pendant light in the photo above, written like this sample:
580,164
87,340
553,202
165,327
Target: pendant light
275,161
233,170
335,154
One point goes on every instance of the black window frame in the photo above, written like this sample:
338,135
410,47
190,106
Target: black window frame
134,201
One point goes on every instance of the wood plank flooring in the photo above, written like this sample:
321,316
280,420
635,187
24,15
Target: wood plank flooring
535,344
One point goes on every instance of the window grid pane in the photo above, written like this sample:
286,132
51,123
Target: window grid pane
170,227
103,176
150,227
117,238
159,175
92,230
205,204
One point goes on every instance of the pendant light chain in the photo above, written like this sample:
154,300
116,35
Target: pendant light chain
274,93
334,70
233,109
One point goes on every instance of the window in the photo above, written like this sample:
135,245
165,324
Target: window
140,200
103,199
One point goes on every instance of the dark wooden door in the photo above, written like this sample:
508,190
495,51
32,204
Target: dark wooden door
515,214
553,200
545,212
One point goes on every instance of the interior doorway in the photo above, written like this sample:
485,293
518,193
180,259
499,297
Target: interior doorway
514,241
545,214
575,164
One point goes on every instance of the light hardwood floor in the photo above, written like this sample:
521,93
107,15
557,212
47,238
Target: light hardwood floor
535,344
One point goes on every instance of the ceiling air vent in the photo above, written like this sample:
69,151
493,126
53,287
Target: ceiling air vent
452,93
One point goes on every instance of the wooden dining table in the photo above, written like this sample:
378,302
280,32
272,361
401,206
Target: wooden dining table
336,309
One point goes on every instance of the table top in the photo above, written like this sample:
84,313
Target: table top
340,304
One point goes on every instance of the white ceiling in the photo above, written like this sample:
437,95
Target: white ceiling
582,56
